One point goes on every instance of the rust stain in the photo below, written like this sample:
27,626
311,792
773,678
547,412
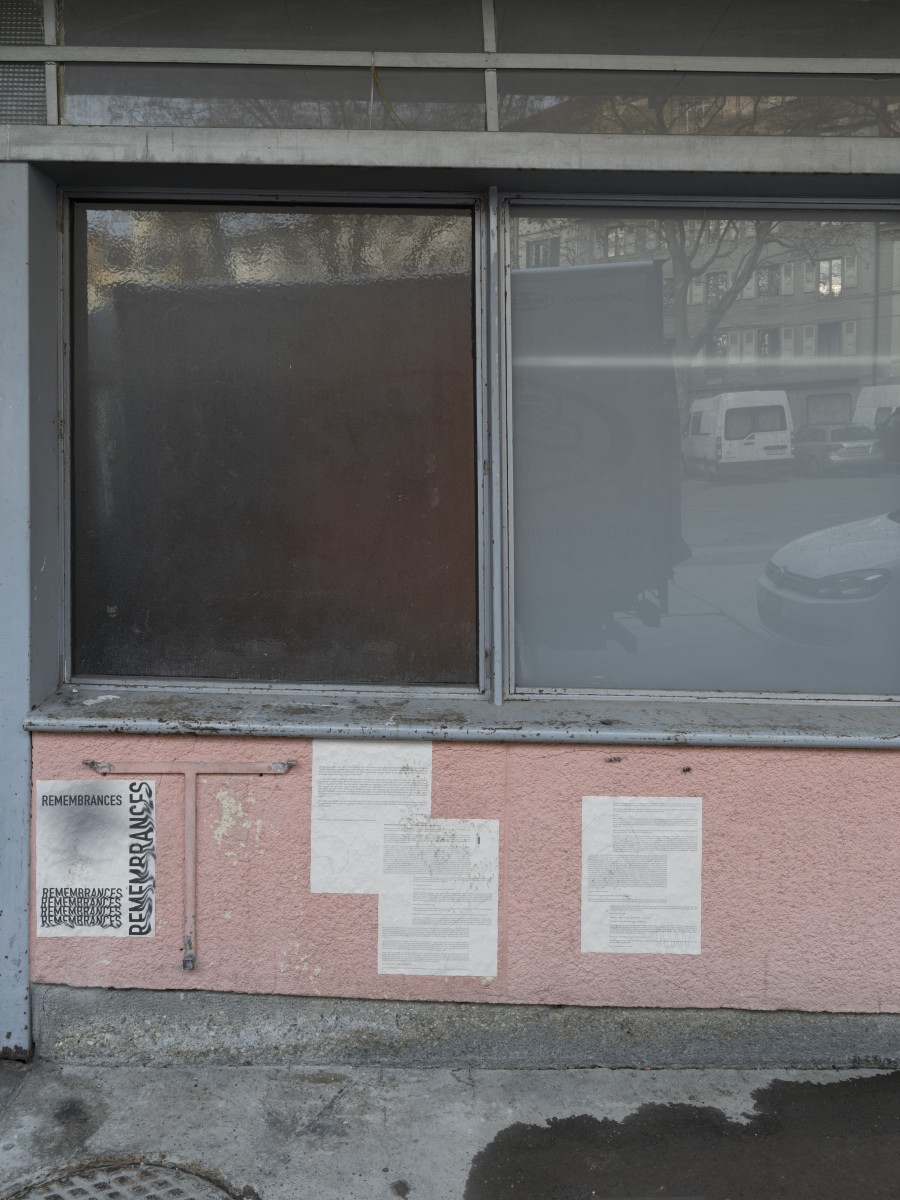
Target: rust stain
15,1053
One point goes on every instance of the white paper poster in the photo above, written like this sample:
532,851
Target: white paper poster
640,874
95,849
437,907
356,787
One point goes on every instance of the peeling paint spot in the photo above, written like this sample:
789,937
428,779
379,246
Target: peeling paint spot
226,916
99,700
231,811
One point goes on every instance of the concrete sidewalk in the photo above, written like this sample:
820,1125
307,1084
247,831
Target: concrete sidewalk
366,1133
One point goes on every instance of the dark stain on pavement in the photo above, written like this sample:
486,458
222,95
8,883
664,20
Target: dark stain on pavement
806,1141
400,1188
72,1123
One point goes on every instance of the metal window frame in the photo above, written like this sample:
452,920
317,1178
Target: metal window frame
509,202
488,61
486,445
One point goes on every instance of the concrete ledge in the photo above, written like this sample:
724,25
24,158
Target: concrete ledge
161,1028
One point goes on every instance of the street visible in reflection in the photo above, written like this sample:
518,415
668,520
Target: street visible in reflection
712,638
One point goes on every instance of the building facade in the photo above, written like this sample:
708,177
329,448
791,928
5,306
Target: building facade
349,359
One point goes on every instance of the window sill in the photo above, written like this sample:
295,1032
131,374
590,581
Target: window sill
633,720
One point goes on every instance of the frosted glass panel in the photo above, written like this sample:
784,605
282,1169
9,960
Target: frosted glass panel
278,97
706,451
277,24
274,444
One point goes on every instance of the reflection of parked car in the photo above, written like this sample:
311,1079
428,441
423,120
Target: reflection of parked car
889,433
837,587
823,448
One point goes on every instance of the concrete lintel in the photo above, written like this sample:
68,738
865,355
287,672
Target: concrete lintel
498,152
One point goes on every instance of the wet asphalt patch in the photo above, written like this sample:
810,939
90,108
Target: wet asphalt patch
805,1141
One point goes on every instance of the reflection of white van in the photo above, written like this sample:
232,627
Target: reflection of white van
739,431
875,404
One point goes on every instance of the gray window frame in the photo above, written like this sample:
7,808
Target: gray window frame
471,202
496,710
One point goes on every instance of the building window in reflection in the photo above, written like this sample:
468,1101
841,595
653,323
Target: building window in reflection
830,339
717,284
768,281
542,252
830,276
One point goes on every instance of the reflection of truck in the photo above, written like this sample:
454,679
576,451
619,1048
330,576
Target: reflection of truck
595,444
875,404
739,432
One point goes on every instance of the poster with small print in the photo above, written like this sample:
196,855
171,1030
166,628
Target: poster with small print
640,874
358,787
95,851
438,897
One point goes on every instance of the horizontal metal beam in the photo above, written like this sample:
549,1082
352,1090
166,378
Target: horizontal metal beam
475,61
485,152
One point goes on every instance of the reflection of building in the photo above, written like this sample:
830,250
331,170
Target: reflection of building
807,307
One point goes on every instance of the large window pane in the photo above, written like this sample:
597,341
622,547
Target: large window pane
690,508
278,24
717,105
279,97
766,28
274,446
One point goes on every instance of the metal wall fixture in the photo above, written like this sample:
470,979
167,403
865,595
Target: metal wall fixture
189,771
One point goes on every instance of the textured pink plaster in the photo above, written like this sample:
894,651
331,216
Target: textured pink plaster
800,870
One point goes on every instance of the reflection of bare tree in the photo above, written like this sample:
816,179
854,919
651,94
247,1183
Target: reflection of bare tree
695,247
708,264
680,106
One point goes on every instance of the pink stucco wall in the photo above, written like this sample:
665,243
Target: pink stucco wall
801,850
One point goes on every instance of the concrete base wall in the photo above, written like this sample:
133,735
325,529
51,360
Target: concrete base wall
167,1028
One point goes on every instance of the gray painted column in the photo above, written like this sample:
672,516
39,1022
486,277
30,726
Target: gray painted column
29,557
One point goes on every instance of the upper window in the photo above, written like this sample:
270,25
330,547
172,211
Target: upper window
275,444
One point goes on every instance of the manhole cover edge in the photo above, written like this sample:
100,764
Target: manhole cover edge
22,1189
